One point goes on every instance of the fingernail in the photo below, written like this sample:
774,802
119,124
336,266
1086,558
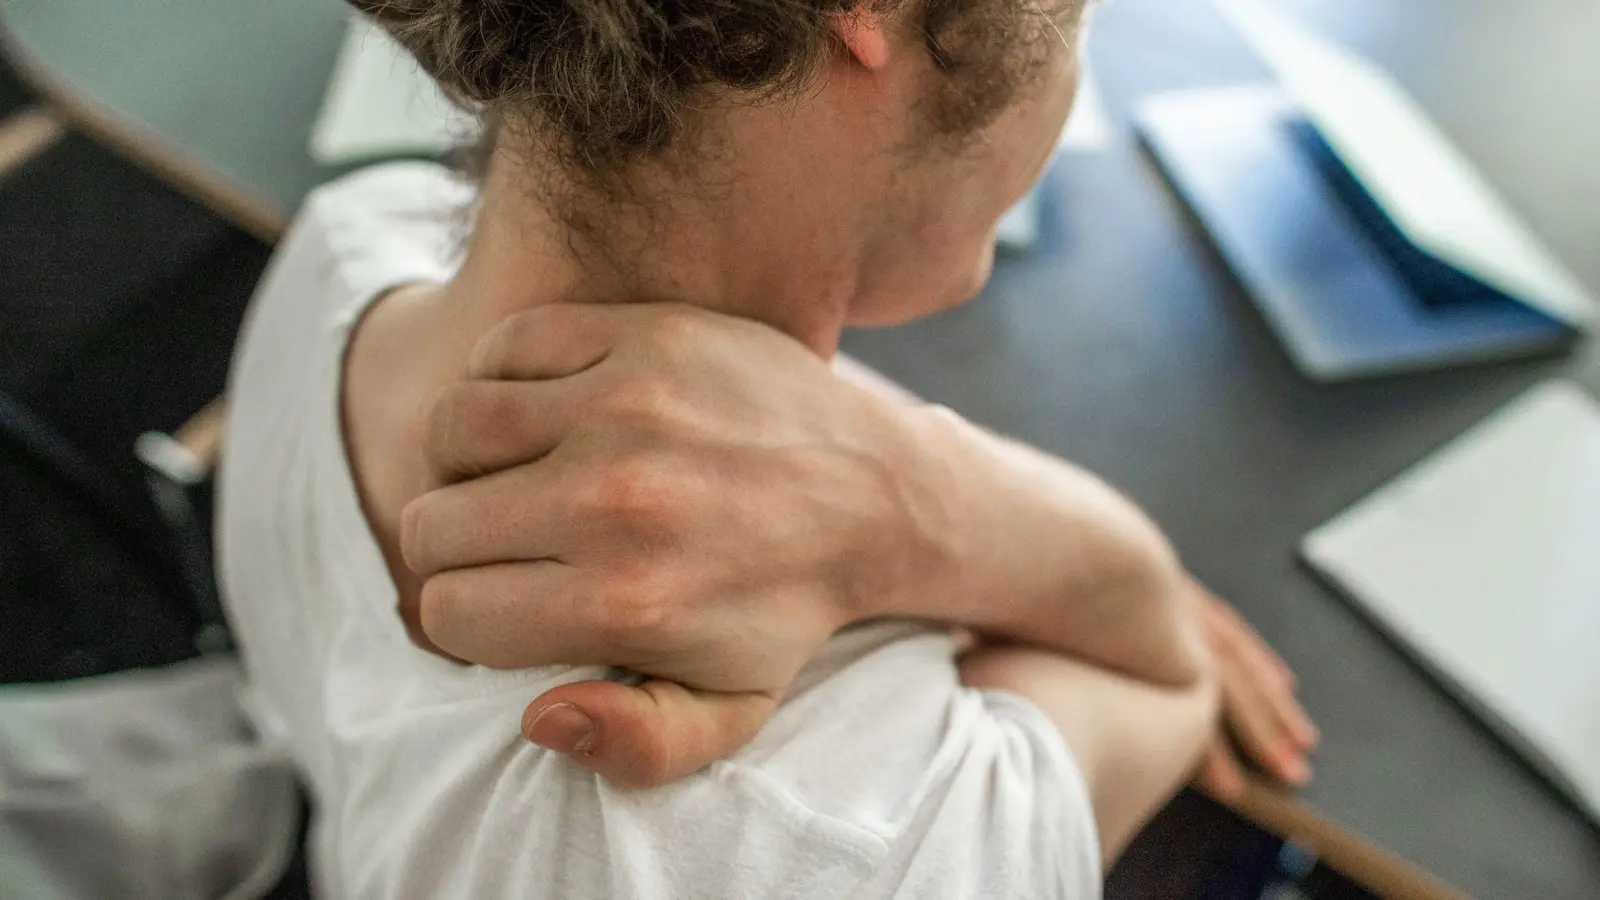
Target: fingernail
1296,771
563,728
1304,733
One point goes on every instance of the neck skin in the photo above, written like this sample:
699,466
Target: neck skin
720,248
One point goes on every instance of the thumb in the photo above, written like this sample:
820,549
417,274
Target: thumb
644,736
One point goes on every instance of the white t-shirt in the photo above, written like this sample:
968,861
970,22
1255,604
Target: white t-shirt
879,776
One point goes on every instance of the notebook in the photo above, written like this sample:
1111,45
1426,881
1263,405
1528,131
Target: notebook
1483,561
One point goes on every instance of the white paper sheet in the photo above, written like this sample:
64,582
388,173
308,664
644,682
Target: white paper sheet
380,103
1485,560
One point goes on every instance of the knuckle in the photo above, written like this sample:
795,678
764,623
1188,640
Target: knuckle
505,342
639,399
490,354
472,421
636,613
637,490
439,608
490,413
452,612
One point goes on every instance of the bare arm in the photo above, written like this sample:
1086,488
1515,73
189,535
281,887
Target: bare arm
1018,543
697,498
1257,688
1136,743
1035,548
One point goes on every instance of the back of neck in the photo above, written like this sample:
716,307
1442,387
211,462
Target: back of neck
715,250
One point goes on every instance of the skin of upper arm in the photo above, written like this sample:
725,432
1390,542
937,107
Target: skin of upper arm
1137,743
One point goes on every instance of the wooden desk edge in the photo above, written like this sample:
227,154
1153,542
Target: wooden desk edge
1376,869
202,434
169,164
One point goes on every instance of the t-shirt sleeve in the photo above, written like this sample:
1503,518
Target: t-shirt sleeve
880,777
1012,819
975,792
453,803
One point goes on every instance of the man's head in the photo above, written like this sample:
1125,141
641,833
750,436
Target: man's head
891,134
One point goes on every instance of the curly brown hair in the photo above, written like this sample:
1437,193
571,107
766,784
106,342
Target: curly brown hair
605,83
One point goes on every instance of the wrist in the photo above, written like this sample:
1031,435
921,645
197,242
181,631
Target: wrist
916,559
902,548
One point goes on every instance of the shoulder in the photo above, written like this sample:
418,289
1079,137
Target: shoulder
449,795
353,239
880,778
387,225
974,793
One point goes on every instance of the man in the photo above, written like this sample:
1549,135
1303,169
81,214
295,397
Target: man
683,492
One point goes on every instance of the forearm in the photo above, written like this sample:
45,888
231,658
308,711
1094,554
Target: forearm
1012,541
1135,743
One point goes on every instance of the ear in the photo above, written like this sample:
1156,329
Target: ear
863,33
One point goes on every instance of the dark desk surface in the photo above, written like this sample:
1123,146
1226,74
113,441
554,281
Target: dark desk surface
1123,343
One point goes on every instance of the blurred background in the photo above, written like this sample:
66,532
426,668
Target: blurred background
1188,337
